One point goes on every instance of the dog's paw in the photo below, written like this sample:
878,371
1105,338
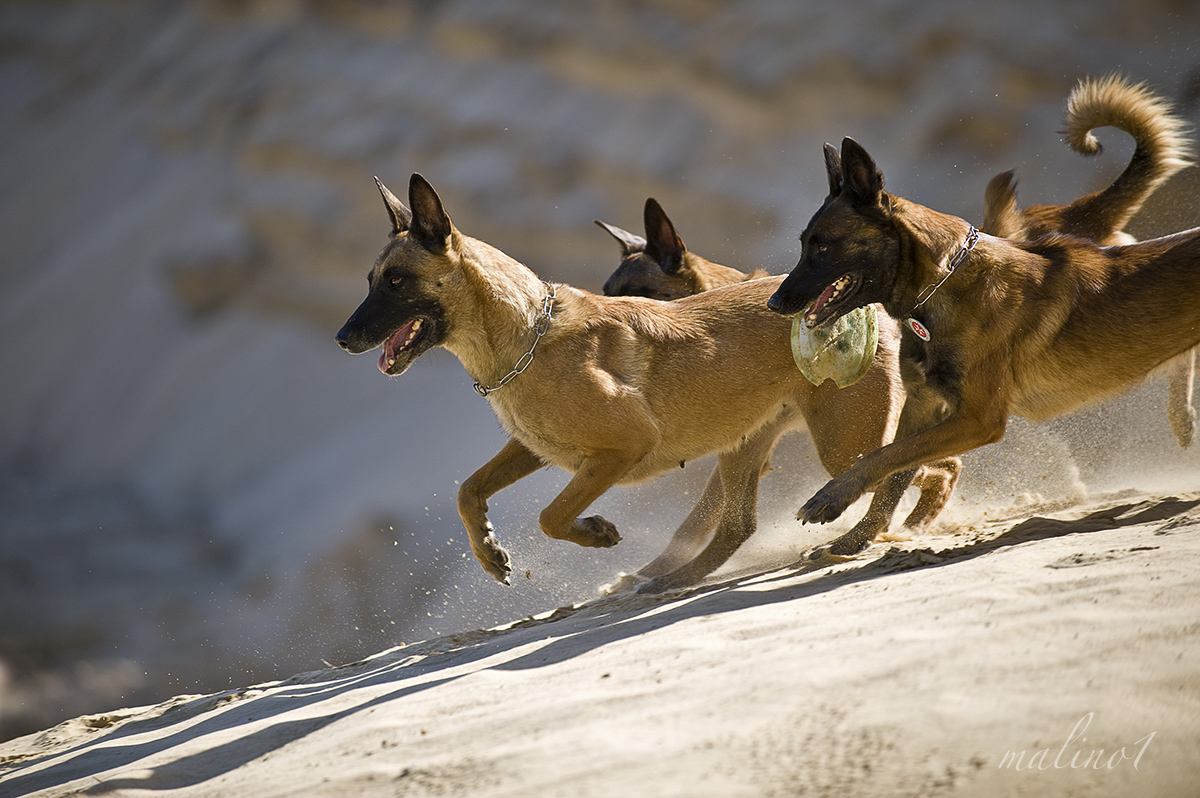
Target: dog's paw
849,544
492,557
658,585
827,504
1184,428
596,532
625,583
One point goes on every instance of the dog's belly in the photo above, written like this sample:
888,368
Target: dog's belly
676,451
1067,391
679,442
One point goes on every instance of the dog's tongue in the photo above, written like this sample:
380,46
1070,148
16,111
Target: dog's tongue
822,300
392,345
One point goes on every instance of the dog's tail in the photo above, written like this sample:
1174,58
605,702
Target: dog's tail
1001,217
1160,136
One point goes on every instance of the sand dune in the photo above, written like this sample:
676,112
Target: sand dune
1045,653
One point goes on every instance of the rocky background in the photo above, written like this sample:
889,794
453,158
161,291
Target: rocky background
198,489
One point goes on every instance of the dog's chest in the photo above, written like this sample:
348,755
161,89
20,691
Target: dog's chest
935,364
535,436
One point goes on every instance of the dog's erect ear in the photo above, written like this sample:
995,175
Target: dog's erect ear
430,225
630,244
833,169
401,216
861,178
663,244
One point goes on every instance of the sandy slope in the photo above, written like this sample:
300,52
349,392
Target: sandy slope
914,669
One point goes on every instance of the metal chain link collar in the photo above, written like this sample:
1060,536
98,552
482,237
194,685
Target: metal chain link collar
527,358
924,296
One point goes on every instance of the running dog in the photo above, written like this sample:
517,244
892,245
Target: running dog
611,389
1161,148
992,327
660,266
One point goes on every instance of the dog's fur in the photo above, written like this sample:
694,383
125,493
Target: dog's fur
619,389
1161,148
660,266
1036,329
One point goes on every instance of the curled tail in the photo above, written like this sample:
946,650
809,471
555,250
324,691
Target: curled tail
1161,151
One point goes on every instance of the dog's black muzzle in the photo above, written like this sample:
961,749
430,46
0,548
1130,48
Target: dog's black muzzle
787,300
368,326
350,339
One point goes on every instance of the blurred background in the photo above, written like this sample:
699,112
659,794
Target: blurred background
198,489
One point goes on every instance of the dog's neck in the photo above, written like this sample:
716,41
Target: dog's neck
507,303
936,240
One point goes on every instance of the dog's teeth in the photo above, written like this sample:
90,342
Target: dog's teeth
392,361
412,333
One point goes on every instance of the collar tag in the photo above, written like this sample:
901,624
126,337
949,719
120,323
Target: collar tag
918,328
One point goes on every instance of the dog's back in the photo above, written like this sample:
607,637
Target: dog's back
707,368
1161,149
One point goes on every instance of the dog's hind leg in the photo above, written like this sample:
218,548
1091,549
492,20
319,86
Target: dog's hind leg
512,463
1179,398
691,536
936,482
597,473
739,472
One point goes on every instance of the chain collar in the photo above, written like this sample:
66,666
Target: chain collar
527,358
924,296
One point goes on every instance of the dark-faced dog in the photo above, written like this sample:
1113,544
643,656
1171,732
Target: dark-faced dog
611,389
660,266
1161,148
992,327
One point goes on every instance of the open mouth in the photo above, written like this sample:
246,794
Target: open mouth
827,306
398,349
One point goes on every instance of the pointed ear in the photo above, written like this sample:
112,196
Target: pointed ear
399,214
833,170
862,179
630,244
430,225
663,244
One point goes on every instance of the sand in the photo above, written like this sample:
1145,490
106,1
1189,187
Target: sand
1043,653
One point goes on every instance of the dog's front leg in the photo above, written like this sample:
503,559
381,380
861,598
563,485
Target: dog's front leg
966,429
598,473
512,463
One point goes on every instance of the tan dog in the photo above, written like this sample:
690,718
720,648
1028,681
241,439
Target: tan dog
660,266
1161,150
993,327
612,390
